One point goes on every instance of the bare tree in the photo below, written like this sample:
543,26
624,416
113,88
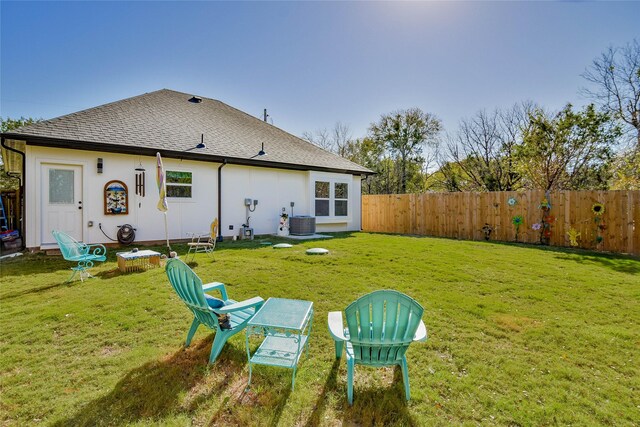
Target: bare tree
320,138
341,137
615,75
483,150
336,140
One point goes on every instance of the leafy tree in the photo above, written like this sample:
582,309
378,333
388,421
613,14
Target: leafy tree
615,76
8,182
625,170
405,134
10,124
368,153
569,150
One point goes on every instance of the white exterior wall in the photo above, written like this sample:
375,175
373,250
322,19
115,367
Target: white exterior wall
276,189
193,215
273,188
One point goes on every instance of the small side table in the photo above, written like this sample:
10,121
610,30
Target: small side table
285,325
140,260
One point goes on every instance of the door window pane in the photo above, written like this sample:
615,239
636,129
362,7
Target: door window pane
61,186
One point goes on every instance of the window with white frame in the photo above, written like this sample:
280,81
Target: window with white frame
179,184
331,198
340,199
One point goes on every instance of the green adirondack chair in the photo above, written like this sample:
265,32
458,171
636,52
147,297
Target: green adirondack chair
380,327
79,252
206,309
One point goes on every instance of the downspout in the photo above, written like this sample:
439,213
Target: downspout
24,199
361,213
224,162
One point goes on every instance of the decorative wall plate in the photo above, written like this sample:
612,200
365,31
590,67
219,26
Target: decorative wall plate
116,198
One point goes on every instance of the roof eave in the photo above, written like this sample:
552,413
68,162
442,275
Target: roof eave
185,155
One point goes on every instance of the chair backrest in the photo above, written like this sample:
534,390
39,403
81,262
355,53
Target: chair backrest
188,286
71,249
214,230
381,326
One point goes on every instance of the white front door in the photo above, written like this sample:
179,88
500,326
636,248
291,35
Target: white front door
61,201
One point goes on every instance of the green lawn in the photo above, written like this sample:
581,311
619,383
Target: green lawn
518,335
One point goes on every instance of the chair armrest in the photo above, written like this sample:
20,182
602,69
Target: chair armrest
421,333
253,302
216,286
336,327
96,249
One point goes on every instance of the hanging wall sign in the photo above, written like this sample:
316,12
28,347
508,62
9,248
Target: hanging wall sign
116,198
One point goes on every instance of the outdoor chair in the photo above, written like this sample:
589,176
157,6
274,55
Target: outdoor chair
225,316
380,327
79,252
203,242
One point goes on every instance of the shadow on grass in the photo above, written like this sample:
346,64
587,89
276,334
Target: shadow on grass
379,405
154,390
617,263
13,295
623,263
268,393
259,242
331,384
30,264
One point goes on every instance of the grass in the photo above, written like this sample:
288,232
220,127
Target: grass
519,335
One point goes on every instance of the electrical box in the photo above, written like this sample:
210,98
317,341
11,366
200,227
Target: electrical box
246,233
247,202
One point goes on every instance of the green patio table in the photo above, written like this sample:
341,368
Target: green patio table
285,325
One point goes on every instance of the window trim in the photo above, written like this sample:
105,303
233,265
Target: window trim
335,199
316,198
332,180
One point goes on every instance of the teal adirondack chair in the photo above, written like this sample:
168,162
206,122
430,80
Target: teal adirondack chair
79,252
380,327
206,309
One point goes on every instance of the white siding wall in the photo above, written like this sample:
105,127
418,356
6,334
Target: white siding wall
274,189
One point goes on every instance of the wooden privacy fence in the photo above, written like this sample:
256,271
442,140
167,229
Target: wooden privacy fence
463,216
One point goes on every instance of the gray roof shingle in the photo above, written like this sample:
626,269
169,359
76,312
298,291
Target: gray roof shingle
164,120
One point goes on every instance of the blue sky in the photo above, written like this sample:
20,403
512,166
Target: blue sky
310,64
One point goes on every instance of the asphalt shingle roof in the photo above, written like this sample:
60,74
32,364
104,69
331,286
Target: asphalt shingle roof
165,121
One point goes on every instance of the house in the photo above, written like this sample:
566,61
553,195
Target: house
89,172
